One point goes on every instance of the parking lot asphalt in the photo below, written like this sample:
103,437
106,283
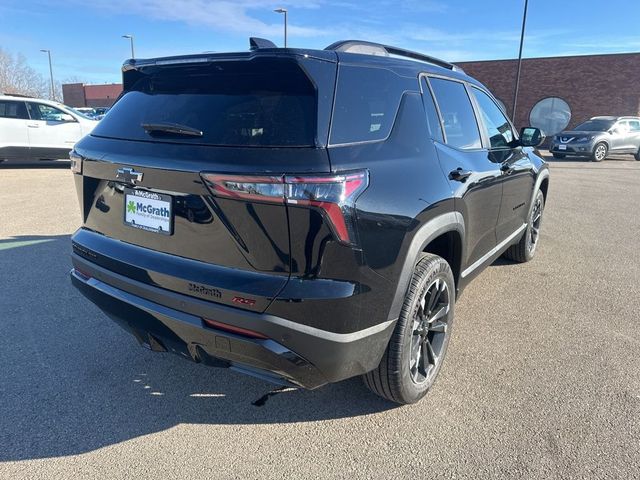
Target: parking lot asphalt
542,378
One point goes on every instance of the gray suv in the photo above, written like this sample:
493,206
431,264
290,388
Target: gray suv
599,136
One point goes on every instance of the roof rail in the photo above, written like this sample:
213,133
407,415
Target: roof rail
371,48
6,94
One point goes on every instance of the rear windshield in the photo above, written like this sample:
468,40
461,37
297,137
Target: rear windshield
263,102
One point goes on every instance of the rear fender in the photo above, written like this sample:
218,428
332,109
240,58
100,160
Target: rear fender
447,222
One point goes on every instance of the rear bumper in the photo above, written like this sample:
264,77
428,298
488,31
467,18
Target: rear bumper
168,321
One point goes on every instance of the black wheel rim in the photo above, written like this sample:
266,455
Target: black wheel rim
430,327
534,225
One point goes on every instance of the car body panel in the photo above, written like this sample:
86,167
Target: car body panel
280,270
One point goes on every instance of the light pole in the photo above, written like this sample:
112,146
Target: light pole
283,10
130,37
515,93
53,90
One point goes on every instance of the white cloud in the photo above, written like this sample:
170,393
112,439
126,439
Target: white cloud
224,15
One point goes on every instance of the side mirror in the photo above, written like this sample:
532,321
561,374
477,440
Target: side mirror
531,137
65,117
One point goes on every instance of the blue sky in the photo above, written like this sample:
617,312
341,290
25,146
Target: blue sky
86,44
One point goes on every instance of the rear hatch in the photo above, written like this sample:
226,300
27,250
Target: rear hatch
149,171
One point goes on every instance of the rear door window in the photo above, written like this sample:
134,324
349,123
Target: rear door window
254,103
458,118
15,110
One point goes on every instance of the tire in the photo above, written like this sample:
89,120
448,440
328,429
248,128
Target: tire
637,155
419,342
558,156
525,249
599,152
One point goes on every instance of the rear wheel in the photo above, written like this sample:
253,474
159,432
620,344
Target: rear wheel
419,342
637,155
525,249
599,152
559,156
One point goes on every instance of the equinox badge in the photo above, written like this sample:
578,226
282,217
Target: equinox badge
129,175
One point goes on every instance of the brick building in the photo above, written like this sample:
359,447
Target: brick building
81,95
589,84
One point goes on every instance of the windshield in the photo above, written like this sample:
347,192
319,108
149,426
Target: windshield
81,114
595,126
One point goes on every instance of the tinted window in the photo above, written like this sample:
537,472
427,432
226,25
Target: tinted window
595,126
634,125
367,100
255,103
551,115
10,109
460,124
435,128
497,126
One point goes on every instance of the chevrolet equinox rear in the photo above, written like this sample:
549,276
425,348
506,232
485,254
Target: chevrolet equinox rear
303,216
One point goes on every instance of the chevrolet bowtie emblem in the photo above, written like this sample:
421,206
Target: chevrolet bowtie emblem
129,175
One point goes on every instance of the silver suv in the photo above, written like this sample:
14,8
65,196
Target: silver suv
598,137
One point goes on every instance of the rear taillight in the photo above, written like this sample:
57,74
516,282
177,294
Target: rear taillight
335,195
76,162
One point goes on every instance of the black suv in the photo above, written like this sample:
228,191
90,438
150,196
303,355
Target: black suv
303,216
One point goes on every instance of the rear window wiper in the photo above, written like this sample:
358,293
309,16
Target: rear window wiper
173,128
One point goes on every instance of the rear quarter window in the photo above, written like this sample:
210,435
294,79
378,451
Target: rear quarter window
366,103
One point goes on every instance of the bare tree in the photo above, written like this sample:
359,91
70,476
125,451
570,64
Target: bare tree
16,76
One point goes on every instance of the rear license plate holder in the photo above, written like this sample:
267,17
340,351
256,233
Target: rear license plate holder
149,211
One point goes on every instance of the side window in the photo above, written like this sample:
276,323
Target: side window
496,124
39,111
15,110
622,127
634,125
460,125
366,103
435,128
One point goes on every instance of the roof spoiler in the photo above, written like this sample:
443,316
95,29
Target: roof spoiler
371,48
256,43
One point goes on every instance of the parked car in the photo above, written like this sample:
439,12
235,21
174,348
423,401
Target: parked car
598,137
351,197
36,129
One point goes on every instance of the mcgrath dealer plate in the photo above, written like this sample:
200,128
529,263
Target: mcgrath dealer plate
148,211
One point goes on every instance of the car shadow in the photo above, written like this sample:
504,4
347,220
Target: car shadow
26,164
72,381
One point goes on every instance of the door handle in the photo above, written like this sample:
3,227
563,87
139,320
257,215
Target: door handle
506,168
460,175
33,125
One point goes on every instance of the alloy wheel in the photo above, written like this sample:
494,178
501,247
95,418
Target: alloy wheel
430,327
534,225
601,152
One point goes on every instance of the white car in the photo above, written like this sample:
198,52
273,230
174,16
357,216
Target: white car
35,129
